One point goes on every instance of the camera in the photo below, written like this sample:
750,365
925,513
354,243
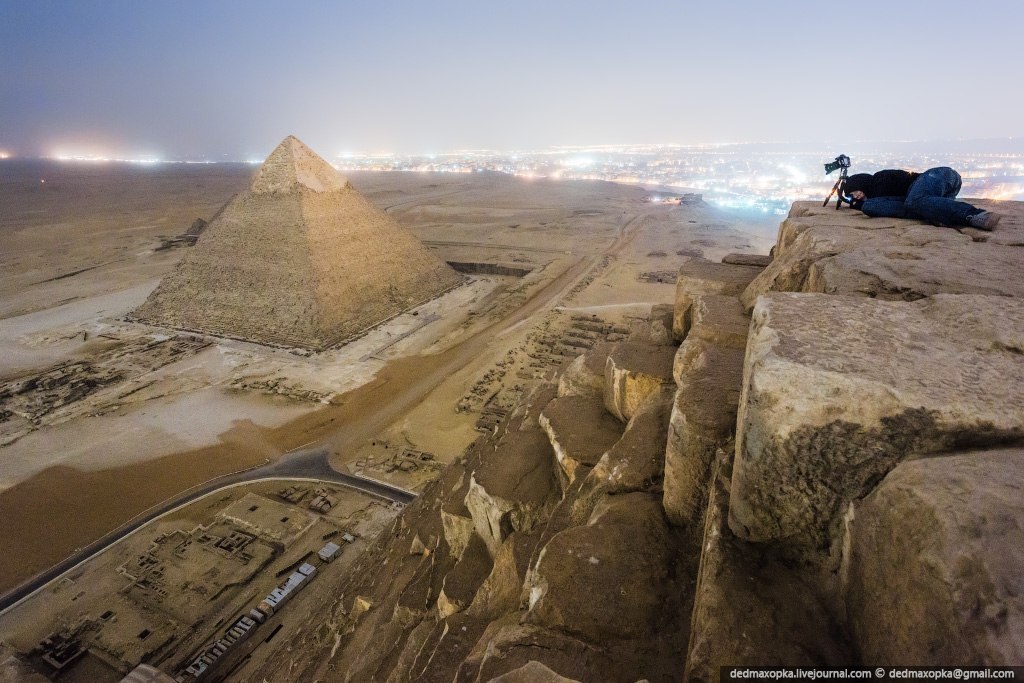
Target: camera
841,161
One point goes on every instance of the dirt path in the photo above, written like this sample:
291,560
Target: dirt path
60,509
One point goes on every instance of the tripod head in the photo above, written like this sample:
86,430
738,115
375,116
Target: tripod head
840,162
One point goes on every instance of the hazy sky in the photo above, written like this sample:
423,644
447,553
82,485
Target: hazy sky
220,79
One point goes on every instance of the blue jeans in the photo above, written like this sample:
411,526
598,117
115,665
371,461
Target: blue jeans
931,198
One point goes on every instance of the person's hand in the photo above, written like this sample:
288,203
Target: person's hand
858,196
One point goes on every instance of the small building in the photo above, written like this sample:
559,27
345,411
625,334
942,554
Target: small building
307,570
322,503
329,552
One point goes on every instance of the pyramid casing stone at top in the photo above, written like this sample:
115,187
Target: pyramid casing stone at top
300,259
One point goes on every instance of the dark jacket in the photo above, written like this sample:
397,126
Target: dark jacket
887,183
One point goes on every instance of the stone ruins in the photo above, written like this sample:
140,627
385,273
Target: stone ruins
301,259
822,467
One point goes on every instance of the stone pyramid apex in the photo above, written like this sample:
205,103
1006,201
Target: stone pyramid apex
291,166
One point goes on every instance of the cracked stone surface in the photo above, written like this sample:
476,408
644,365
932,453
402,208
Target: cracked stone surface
838,390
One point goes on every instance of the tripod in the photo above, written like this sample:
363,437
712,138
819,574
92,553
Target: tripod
837,189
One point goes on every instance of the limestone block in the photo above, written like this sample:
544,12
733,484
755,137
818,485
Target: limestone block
419,637
759,260
458,526
936,561
838,390
461,583
660,324
806,215
584,376
718,318
360,604
580,431
698,276
513,487
788,271
606,580
418,595
448,645
535,403
507,645
501,591
532,672
418,547
632,373
636,462
703,419
749,609
910,273
822,250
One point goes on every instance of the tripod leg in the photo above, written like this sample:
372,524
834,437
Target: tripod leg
835,188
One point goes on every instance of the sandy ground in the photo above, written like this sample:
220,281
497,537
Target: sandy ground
84,468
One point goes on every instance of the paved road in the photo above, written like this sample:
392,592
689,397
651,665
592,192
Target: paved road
309,463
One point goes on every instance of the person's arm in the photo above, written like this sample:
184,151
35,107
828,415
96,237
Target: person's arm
884,207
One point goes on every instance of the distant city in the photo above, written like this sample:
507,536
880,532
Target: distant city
733,176
758,177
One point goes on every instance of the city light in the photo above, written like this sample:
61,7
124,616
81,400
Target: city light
738,177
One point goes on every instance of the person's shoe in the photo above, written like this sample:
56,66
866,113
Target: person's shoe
986,220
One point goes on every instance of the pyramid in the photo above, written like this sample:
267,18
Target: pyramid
300,259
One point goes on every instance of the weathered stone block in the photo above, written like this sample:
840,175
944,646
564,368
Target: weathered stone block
844,252
532,672
462,581
636,462
458,527
909,273
580,431
456,523
608,579
797,250
632,373
507,645
502,590
838,390
660,324
703,419
513,487
719,319
749,609
698,276
936,559
759,260
584,376
448,645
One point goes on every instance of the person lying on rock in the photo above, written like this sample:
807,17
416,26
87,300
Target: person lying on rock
928,196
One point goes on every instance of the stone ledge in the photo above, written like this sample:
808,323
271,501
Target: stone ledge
845,252
943,536
838,390
698,276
